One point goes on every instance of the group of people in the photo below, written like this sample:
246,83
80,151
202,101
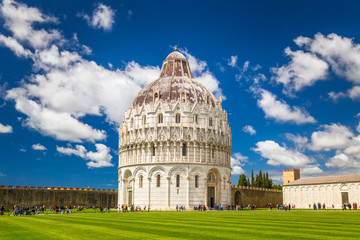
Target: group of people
348,205
285,206
125,208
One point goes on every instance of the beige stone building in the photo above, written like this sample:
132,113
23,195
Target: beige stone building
174,143
331,190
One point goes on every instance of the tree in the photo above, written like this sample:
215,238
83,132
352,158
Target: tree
242,180
252,178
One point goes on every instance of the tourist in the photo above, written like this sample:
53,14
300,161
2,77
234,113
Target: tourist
2,210
324,207
204,208
319,206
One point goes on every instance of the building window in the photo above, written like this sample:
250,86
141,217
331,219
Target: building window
213,153
210,122
152,149
196,118
156,97
144,120
184,149
141,181
178,180
207,99
160,118
211,177
158,180
177,118
196,181
183,97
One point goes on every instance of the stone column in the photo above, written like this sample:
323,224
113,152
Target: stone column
167,151
123,191
206,192
133,190
206,153
174,160
148,193
194,147
168,193
188,193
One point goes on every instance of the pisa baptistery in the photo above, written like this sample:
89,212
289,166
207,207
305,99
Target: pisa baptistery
175,144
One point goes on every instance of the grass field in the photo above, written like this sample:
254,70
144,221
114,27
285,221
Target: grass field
260,224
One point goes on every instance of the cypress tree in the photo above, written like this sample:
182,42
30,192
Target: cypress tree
252,178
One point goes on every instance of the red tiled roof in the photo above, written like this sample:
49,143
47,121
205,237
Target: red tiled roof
328,179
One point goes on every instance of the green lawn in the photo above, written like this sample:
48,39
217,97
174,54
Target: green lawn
260,224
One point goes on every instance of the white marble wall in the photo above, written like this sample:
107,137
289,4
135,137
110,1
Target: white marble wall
167,196
330,194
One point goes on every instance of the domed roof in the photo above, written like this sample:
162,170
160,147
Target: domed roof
174,83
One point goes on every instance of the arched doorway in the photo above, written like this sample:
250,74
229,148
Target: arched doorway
128,189
213,191
237,197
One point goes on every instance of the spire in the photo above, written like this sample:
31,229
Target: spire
176,48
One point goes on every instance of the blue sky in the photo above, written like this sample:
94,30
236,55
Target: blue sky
288,72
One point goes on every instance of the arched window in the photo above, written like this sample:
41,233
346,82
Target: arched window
196,118
178,118
207,99
213,153
160,118
156,97
183,97
152,149
210,122
144,120
196,181
211,177
141,181
178,180
158,180
184,149
132,122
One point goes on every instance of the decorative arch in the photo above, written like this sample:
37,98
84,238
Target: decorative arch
197,169
177,169
157,168
139,169
127,174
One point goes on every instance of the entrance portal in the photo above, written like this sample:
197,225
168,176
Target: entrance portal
129,198
345,197
237,198
211,197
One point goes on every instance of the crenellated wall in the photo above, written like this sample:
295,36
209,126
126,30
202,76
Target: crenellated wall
36,196
254,195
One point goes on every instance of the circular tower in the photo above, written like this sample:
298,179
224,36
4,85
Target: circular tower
175,143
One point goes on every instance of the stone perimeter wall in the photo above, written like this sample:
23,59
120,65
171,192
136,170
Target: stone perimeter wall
90,197
258,196
50,197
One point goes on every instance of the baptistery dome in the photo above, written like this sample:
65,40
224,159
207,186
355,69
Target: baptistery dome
174,143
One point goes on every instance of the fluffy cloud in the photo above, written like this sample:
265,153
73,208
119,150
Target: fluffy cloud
299,141
103,17
334,136
304,70
232,61
38,147
237,161
201,72
15,46
278,155
100,158
19,19
5,128
249,129
354,93
280,110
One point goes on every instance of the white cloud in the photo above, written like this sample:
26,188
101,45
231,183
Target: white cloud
233,61
5,128
245,66
237,161
354,93
278,155
103,17
335,96
19,19
15,46
280,110
22,150
100,158
249,129
304,70
201,73
2,175
340,52
311,170
38,147
299,141
334,136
